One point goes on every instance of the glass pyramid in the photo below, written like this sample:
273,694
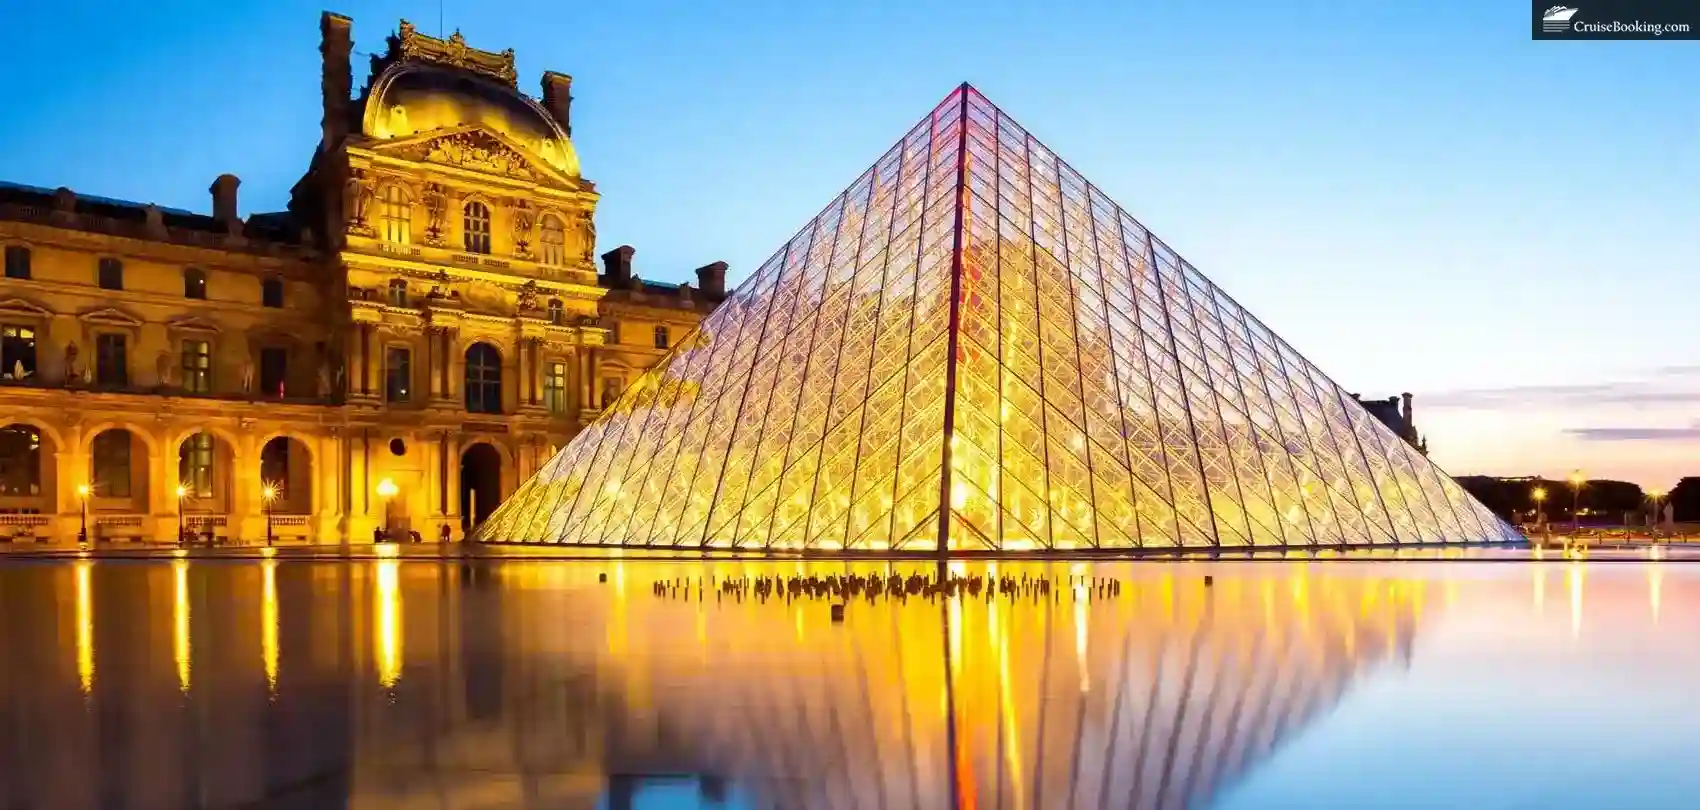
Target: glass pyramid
973,349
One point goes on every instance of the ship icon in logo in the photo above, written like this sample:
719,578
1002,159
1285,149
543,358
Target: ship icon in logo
1556,20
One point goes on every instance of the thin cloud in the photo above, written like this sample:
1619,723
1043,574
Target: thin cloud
1619,434
1524,396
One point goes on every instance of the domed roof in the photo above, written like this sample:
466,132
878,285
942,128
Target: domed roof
411,98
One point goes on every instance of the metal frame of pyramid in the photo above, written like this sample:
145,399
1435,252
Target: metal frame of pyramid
973,350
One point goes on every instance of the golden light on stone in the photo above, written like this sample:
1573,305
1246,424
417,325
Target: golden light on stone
1024,368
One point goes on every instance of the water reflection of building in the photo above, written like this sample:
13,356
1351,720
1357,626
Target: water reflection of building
398,685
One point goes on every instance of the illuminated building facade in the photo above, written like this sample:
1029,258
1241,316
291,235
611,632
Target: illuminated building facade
412,338
972,349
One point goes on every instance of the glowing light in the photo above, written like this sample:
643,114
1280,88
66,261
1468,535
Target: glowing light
269,622
82,490
387,488
388,637
85,627
268,493
182,647
182,491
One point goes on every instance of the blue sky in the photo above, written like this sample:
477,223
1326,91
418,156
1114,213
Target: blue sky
1415,195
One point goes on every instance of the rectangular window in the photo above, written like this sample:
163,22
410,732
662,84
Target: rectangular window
398,374
274,370
111,274
271,293
195,283
197,366
17,352
111,361
555,388
17,262
663,338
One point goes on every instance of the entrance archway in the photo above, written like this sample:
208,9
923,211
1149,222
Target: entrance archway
286,466
480,484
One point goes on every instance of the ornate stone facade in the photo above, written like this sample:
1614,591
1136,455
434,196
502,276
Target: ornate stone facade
418,333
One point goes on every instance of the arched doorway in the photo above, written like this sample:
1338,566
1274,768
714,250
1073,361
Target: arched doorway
118,471
204,474
286,470
480,484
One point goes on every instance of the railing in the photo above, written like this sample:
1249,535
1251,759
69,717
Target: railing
139,230
203,521
25,521
118,521
289,520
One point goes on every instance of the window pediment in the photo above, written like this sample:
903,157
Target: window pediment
194,324
108,316
18,307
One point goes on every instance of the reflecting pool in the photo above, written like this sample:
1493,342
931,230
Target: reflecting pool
400,683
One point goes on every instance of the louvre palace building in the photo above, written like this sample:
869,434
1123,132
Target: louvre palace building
421,329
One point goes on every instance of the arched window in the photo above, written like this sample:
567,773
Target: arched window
396,216
195,466
483,379
20,460
611,388
662,338
557,311
398,292
195,283
475,227
111,464
554,239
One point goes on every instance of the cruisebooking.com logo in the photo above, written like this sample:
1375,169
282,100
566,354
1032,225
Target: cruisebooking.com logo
1617,19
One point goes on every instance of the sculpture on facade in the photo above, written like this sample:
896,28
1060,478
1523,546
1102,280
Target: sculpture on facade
527,299
436,206
73,369
163,367
588,228
524,219
357,202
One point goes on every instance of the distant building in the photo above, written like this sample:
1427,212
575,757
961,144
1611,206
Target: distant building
1396,418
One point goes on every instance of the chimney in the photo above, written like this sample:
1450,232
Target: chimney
1410,420
224,200
711,278
618,264
558,98
336,46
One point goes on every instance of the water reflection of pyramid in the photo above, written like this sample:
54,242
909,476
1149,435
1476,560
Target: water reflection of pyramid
1162,697
973,349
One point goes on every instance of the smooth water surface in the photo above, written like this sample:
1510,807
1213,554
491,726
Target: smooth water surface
394,683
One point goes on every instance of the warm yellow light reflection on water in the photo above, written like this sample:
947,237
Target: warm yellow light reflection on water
85,627
182,647
388,636
1575,599
268,622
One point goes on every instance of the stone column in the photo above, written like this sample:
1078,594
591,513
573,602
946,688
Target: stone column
244,522
430,365
367,336
524,368
452,446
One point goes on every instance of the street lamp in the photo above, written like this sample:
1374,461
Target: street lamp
386,490
83,518
1656,495
182,492
268,494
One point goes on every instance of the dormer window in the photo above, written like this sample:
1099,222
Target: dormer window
475,227
195,283
557,312
398,292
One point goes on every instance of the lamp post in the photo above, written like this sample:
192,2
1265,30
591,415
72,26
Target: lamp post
1540,496
182,491
83,517
386,490
1656,495
268,495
